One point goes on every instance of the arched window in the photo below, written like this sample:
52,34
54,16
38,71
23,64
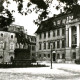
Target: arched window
11,59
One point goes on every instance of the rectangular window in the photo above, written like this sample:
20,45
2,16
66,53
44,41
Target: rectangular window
1,45
63,31
53,45
58,32
40,36
63,56
48,45
48,33
39,55
63,43
48,55
54,23
58,22
40,46
44,34
11,46
44,45
53,33
74,55
33,48
58,56
63,21
58,44
44,55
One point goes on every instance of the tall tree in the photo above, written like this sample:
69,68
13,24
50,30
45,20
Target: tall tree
40,6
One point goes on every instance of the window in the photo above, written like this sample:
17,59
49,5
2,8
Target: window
11,36
74,55
58,44
44,55
58,22
45,45
48,33
33,48
39,55
1,34
53,45
11,46
48,45
63,31
64,21
54,23
1,45
40,46
44,34
63,56
63,43
58,56
48,55
53,33
40,36
58,32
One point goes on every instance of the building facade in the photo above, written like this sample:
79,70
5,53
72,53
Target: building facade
12,39
32,44
7,46
61,36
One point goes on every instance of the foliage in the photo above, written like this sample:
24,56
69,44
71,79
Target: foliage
6,20
21,38
41,6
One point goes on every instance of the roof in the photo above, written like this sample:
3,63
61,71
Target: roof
48,25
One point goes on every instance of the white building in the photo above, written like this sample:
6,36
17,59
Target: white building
61,34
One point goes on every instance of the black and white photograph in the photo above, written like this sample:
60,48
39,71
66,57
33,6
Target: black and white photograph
39,39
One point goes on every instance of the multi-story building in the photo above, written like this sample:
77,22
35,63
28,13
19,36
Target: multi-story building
11,39
61,36
7,46
32,42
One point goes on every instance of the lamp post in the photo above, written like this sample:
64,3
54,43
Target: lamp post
51,56
3,55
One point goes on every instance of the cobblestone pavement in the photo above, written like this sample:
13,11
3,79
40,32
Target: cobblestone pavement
25,76
30,76
59,72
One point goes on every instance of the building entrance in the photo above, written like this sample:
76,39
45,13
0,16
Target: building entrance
54,57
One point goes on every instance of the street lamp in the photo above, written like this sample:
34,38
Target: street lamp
3,55
51,55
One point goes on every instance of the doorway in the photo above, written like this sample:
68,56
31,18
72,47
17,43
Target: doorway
54,57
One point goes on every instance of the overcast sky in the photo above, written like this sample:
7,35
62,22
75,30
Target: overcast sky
27,21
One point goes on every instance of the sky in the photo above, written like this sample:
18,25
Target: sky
27,21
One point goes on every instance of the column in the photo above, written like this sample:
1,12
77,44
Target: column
78,35
67,36
70,37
